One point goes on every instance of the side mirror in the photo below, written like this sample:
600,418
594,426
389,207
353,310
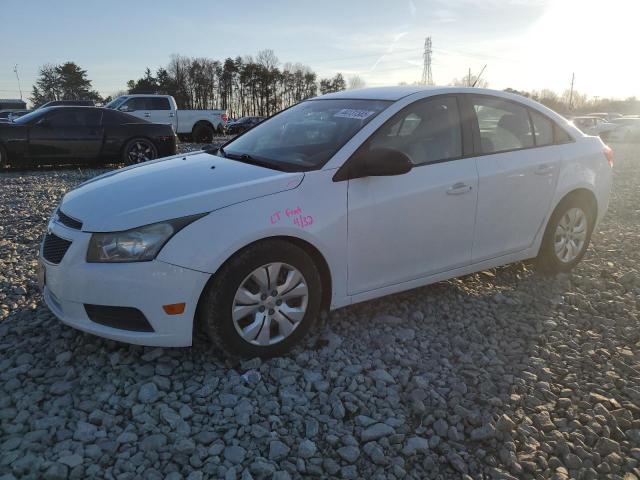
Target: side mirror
380,162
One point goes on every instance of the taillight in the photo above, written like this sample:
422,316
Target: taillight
608,152
224,117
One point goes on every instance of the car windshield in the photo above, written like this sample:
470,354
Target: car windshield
29,117
305,136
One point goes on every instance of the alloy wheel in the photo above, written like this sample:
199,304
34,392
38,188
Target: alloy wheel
270,304
571,235
140,152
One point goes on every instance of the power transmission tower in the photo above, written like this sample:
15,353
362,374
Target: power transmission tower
573,77
15,70
427,76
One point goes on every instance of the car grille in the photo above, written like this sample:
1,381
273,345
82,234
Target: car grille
54,248
68,221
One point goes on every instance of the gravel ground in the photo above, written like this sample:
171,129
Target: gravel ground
501,374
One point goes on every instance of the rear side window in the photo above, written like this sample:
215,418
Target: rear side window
503,125
542,129
111,117
427,131
560,135
75,118
157,103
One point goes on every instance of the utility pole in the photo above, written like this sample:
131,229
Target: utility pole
427,77
15,70
475,82
469,78
573,77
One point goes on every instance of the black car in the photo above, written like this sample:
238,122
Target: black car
242,125
69,103
56,135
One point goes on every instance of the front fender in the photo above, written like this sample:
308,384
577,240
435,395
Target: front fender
315,212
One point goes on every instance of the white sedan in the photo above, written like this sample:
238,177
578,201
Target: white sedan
340,199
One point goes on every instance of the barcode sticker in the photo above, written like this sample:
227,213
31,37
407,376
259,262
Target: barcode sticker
352,113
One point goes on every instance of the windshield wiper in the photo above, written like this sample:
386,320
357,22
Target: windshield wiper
246,158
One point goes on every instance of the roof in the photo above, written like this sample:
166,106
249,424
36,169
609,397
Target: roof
379,93
397,92
11,100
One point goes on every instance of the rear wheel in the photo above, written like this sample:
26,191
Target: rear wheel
263,300
202,133
567,236
139,150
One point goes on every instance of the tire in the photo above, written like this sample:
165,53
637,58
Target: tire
4,158
563,248
235,286
139,150
202,133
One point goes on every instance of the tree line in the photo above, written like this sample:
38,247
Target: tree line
244,86
261,86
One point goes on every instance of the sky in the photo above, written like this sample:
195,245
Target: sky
525,44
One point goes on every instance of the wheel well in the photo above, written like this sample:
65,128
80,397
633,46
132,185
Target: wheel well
204,123
312,251
586,197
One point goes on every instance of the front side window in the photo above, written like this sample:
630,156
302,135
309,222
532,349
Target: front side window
133,104
542,129
503,125
426,131
305,136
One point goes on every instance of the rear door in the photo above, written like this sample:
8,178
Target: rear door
159,110
518,166
67,133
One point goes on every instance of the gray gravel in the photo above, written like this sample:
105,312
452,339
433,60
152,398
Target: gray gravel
501,374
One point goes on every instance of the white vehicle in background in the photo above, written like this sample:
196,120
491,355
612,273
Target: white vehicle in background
595,126
339,199
200,125
628,129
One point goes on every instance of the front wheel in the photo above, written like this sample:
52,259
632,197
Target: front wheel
4,158
567,236
139,150
263,300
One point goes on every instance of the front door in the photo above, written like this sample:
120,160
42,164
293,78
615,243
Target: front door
404,227
67,133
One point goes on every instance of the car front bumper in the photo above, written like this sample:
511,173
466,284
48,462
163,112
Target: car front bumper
145,286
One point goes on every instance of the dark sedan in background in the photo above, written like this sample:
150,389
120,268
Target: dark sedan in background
242,125
60,135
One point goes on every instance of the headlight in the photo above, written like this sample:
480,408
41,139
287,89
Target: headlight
140,244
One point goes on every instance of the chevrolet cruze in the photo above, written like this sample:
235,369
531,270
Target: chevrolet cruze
337,200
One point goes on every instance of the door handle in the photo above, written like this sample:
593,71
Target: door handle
147,114
458,188
171,114
544,170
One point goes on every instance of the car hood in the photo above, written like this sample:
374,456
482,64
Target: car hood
170,188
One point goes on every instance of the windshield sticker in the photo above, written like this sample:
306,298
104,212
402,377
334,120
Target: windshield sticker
295,215
352,113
